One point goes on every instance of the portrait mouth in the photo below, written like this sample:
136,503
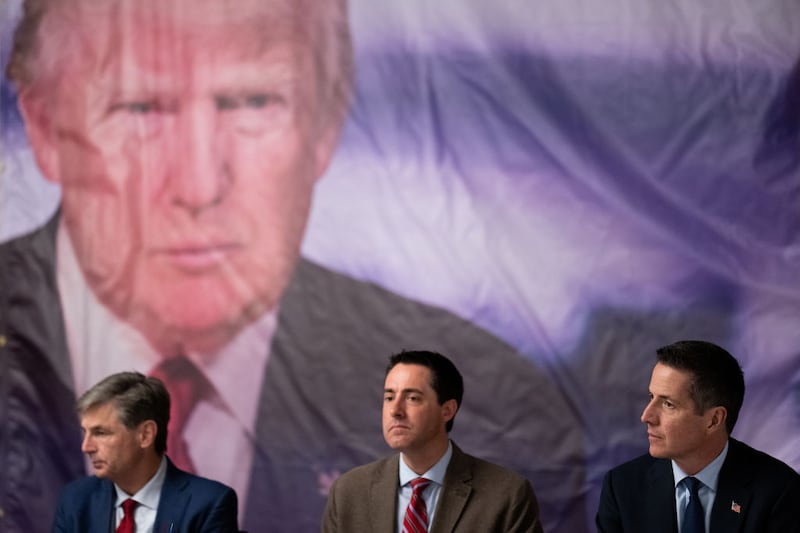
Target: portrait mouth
197,258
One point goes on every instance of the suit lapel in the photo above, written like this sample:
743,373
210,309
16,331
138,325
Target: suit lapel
455,492
173,501
733,497
102,516
383,496
659,502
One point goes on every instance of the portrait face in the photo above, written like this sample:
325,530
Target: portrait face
413,419
116,452
187,137
674,428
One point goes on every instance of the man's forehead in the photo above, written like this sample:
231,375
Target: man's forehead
175,25
99,414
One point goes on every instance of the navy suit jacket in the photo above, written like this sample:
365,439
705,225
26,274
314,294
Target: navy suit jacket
756,493
188,504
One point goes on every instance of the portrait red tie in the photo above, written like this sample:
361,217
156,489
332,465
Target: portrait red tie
186,386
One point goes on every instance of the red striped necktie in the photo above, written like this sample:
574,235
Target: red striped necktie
416,518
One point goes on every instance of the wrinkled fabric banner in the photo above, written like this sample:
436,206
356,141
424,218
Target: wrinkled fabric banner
286,193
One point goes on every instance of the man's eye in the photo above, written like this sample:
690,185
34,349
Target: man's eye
250,101
138,108
387,398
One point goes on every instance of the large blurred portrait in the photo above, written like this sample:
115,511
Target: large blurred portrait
260,201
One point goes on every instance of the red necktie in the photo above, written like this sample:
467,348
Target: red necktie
416,519
186,385
127,525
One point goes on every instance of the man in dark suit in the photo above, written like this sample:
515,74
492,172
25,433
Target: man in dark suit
696,478
136,487
431,483
187,137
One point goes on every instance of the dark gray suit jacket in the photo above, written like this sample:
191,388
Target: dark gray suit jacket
188,504
476,496
320,402
640,496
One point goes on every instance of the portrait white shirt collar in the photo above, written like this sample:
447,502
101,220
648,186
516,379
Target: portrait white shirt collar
147,498
709,476
100,344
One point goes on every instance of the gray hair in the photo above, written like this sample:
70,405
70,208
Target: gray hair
136,398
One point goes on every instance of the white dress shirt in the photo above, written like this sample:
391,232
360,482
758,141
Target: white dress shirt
144,516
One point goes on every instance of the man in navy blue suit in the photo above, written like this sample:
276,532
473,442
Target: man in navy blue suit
124,420
696,477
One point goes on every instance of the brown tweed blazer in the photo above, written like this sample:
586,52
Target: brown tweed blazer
477,496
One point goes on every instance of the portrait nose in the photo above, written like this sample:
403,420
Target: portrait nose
201,177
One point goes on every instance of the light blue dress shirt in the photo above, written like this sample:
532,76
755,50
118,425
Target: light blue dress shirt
431,492
709,476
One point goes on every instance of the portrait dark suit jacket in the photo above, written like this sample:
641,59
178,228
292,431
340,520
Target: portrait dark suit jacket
475,496
640,496
188,504
320,403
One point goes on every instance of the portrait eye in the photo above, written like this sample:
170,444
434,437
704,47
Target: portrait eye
138,107
258,100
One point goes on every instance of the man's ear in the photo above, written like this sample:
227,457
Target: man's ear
449,409
325,146
147,433
717,416
37,113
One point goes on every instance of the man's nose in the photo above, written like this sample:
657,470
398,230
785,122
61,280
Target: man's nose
396,409
87,445
201,177
647,414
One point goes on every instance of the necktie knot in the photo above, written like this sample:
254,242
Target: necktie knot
693,484
419,484
127,524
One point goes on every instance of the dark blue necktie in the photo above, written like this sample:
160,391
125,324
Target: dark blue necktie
693,518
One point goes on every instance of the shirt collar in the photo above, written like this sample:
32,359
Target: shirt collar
148,495
709,475
435,473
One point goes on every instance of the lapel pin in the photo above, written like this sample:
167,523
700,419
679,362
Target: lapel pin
735,507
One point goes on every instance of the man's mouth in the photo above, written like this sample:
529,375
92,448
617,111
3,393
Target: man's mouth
194,258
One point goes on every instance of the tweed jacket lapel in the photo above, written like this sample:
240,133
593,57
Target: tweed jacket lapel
383,496
455,493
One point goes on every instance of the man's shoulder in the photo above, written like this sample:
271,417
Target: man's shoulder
81,488
484,471
195,483
637,467
368,472
763,464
